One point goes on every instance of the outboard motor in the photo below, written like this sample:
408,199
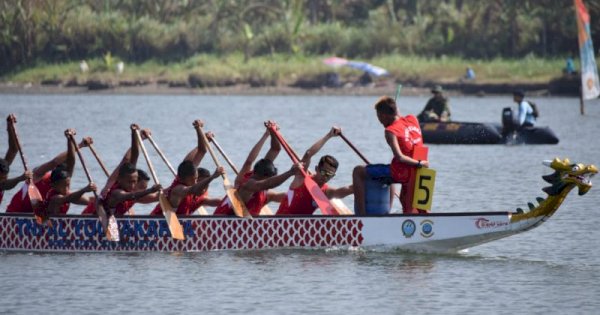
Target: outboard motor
508,121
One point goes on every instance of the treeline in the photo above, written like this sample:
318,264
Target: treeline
169,30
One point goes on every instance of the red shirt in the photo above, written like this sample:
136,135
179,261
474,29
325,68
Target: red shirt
121,208
408,132
64,208
254,204
90,209
187,204
21,204
298,201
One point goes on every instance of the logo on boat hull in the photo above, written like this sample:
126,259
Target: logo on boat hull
427,228
408,228
483,223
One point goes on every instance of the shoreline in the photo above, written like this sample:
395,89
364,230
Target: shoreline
566,86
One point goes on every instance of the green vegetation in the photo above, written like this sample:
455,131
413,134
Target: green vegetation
277,39
285,69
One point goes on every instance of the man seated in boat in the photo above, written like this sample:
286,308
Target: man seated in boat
437,108
526,116
59,197
41,179
253,183
11,153
298,200
188,191
402,134
118,196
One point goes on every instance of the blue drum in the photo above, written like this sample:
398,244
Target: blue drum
377,197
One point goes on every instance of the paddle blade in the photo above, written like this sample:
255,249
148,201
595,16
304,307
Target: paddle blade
172,220
239,208
112,233
266,210
319,197
37,204
202,211
340,206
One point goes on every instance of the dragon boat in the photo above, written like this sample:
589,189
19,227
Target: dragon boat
434,232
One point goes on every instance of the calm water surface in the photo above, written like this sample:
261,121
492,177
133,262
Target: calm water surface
552,269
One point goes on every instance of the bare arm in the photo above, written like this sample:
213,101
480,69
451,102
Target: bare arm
70,159
339,192
253,186
198,153
316,147
119,195
251,158
57,201
12,182
273,196
11,153
393,143
212,202
275,146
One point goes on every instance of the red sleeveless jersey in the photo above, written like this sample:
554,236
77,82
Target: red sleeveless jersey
408,132
298,201
64,208
21,204
121,208
90,209
254,204
187,204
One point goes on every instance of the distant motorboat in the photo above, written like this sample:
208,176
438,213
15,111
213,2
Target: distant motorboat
456,132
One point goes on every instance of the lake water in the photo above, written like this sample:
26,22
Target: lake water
552,269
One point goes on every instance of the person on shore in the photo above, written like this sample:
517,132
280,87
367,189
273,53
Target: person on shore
59,197
437,108
298,200
189,190
253,183
402,135
526,115
42,180
11,153
122,194
469,74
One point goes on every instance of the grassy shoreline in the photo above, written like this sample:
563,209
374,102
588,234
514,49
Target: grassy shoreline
283,70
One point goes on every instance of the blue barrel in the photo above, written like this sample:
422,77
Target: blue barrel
377,197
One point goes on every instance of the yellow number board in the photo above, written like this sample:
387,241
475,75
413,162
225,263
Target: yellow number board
424,184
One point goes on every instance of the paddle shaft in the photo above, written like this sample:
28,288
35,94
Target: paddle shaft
99,160
214,141
354,148
162,155
150,166
212,153
85,169
23,159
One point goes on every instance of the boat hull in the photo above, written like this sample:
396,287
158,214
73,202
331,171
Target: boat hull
445,233
483,133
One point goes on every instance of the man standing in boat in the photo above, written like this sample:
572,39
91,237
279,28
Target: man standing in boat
253,184
122,194
58,198
402,135
298,200
437,108
526,116
188,191
42,180
11,153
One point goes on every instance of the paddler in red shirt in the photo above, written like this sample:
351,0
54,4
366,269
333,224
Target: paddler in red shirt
59,196
11,153
298,200
402,134
188,191
253,183
41,178
121,195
